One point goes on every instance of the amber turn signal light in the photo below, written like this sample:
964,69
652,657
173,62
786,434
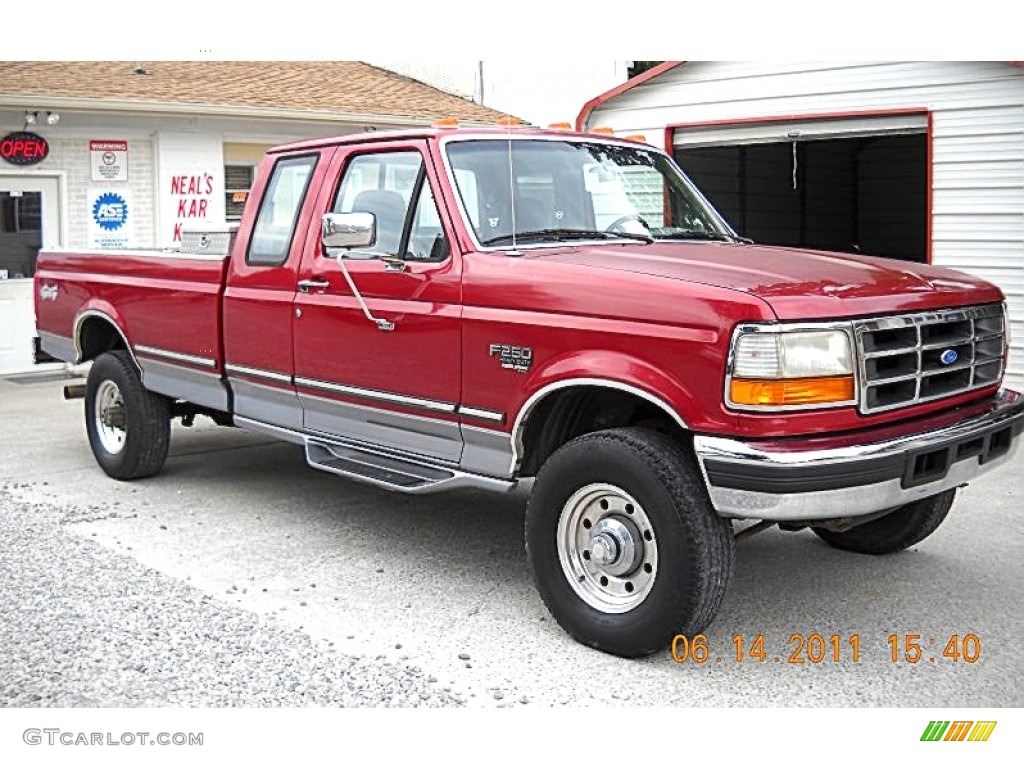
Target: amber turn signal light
769,392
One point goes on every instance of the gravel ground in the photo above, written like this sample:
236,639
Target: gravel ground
81,625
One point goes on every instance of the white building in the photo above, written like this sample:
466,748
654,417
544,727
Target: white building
922,161
135,150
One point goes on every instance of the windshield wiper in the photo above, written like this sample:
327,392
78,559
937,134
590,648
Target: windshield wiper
557,235
703,234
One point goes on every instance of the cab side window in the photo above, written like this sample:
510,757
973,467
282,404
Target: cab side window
272,234
427,241
394,188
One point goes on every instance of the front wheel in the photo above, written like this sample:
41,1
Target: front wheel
898,530
625,547
129,427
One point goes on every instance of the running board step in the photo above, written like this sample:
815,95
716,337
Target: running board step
392,472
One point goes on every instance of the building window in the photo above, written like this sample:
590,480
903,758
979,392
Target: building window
20,233
237,183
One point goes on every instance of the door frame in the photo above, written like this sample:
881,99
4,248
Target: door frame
53,236
375,413
882,115
7,180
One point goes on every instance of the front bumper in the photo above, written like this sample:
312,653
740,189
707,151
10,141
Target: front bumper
854,475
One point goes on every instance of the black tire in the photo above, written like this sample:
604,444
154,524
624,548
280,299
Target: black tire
690,545
898,530
130,436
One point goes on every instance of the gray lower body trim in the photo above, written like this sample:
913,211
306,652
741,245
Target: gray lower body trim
61,347
418,435
198,387
266,403
446,476
487,452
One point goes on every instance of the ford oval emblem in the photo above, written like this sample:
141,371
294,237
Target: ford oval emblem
949,357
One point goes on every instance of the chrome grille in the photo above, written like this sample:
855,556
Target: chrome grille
910,359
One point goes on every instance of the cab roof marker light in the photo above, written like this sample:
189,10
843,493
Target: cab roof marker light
564,127
508,121
636,137
446,122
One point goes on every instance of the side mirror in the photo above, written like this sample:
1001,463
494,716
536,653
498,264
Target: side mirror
348,230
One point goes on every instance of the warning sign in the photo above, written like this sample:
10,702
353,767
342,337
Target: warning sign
109,160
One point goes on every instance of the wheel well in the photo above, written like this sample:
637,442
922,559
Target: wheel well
571,412
96,336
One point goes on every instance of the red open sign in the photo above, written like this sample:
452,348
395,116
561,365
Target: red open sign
23,148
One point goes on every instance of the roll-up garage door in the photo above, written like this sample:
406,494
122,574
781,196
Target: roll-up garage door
857,185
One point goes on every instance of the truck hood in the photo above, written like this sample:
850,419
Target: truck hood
796,283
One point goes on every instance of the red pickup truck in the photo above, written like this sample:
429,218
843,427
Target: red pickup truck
434,309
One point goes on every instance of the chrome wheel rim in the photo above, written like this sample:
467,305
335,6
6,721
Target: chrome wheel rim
607,548
110,417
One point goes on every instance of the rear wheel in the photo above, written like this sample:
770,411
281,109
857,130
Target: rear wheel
625,547
898,530
129,427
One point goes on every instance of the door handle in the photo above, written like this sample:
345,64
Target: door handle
314,284
391,264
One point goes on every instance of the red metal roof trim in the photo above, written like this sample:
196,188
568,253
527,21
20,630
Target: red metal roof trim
643,77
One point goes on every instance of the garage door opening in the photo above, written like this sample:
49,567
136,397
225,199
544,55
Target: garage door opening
855,194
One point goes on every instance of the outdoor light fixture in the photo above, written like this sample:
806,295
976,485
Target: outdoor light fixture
33,117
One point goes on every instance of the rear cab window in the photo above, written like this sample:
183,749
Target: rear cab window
278,214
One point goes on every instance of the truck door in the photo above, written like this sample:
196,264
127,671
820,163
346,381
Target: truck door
396,387
261,289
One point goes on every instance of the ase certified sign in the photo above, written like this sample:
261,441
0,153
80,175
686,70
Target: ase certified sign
24,148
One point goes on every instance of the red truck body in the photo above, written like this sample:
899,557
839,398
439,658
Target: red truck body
288,348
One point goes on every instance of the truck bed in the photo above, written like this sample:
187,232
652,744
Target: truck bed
167,305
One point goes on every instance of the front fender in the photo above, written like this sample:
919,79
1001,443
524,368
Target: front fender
614,370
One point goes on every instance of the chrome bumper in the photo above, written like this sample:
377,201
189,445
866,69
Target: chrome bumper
781,481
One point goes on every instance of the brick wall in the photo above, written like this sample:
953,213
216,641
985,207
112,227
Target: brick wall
72,157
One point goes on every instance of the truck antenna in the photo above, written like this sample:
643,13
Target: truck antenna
511,182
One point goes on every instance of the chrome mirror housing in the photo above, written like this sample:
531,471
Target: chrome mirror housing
348,230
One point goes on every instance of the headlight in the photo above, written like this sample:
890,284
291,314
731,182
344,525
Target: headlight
773,367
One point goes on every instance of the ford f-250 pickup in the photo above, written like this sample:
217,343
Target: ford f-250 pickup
434,309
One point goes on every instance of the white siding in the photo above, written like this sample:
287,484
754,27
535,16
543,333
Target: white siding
978,141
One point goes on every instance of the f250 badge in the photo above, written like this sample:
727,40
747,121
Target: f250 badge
48,291
514,358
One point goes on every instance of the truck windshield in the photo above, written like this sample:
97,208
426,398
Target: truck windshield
536,191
